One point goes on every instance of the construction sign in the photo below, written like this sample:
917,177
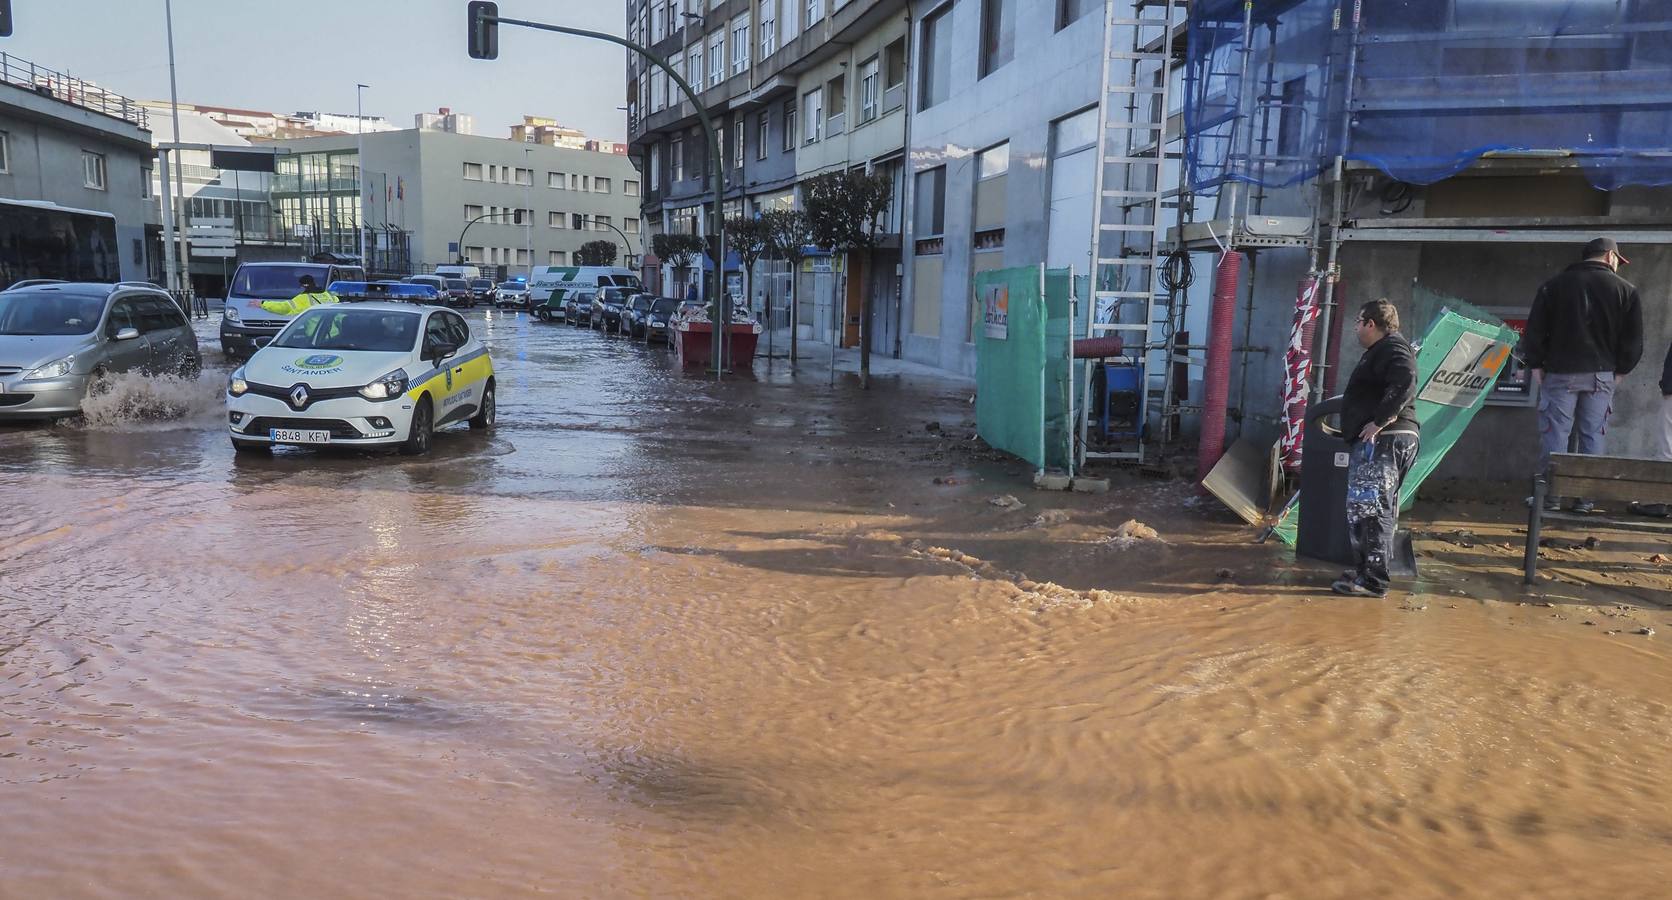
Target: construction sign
1467,371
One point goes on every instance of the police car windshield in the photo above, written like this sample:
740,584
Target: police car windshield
336,327
273,282
50,312
510,285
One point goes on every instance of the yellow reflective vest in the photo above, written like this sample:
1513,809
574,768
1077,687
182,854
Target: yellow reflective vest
299,303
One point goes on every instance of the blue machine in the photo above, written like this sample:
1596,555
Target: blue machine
1120,406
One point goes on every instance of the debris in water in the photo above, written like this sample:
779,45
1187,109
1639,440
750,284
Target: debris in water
1006,502
1224,573
1660,558
1646,631
1131,532
1049,518
932,426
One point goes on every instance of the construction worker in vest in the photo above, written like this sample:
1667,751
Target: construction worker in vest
311,296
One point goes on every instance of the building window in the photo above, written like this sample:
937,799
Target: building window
740,44
737,142
789,126
1070,11
716,58
936,58
93,170
763,133
930,195
998,34
525,177
992,162
655,167
522,256
556,219
475,255
630,188
557,257
630,226
6,155
602,223
812,115
894,76
676,159
836,104
472,171
144,172
600,185
769,28
815,11
870,90
471,211
658,23
577,221
676,62
693,67
556,181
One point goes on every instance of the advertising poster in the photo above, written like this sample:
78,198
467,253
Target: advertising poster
995,305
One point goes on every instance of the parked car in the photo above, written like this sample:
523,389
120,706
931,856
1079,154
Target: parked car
245,325
577,307
362,374
607,305
633,315
511,295
457,293
657,321
58,342
435,282
483,290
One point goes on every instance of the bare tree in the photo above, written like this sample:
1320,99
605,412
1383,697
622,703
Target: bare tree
789,236
678,250
845,212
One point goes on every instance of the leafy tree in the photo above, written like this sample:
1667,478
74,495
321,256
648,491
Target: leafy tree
751,239
677,250
787,238
596,253
845,212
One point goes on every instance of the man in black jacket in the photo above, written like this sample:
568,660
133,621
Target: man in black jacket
1378,415
1584,333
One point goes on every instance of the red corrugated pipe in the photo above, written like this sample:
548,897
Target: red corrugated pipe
1217,381
1297,371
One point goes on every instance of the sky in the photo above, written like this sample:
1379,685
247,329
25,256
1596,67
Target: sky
295,55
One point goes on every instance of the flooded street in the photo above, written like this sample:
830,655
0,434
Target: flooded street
655,636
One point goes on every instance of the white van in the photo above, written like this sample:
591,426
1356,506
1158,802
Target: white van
466,272
567,278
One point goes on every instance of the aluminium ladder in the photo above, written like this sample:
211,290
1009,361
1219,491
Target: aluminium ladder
1129,198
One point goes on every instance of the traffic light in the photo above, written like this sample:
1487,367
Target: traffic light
5,18
484,29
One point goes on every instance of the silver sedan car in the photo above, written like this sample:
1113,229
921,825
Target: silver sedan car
59,340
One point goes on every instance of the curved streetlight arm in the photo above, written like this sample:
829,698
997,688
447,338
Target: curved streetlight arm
479,218
629,244
714,158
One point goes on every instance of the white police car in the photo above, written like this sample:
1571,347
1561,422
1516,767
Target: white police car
383,372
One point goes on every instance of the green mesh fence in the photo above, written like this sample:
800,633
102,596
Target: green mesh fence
1059,372
1459,360
1010,362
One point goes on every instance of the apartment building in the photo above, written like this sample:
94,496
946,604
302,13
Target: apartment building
501,195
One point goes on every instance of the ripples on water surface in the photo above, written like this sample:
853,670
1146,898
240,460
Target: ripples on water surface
658,637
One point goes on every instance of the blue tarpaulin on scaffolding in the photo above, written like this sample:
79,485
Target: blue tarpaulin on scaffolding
1421,89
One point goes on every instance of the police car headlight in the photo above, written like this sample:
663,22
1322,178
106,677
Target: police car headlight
236,385
230,313
388,387
56,369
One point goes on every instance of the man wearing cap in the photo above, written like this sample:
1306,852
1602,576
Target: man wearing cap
1584,333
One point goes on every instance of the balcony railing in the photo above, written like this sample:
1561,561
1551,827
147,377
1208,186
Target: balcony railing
69,89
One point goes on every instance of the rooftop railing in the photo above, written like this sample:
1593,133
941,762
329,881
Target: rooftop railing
69,89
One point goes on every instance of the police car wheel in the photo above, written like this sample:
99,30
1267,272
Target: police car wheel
484,417
422,433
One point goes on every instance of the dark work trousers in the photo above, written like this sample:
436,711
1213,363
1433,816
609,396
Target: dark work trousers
1373,502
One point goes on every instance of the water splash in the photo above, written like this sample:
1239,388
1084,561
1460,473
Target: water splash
134,400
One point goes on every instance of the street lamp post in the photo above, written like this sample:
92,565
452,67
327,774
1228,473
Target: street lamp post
627,244
466,230
360,169
490,17
183,246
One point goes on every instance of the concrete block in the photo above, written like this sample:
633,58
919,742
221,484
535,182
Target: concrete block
1091,485
1048,482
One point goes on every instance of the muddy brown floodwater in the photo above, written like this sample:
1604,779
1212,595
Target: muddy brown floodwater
658,637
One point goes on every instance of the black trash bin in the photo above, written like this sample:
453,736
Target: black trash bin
1324,454
1322,533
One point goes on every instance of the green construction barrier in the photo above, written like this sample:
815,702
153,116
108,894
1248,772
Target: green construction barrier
1059,372
1023,366
1458,361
